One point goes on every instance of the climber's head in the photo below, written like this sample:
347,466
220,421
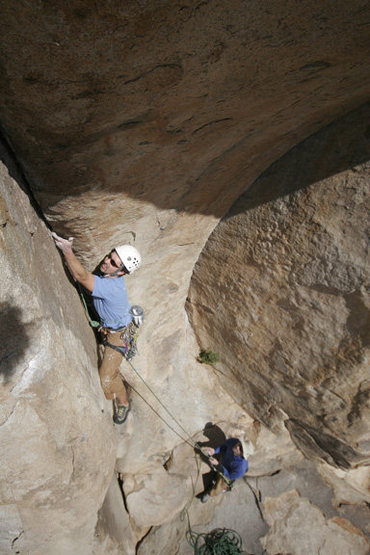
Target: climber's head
130,258
120,261
238,449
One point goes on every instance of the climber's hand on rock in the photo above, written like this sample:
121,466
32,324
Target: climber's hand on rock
63,244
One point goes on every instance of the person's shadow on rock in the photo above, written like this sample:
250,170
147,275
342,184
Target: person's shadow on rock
215,438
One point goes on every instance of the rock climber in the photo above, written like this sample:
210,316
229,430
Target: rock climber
228,459
108,291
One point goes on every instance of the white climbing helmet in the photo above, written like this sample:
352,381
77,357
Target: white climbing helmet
130,257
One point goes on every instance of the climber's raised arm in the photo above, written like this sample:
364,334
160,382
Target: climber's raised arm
118,326
78,272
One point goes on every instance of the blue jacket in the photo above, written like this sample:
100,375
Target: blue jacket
233,467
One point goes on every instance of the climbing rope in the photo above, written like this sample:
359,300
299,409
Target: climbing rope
189,439
93,323
220,541
123,351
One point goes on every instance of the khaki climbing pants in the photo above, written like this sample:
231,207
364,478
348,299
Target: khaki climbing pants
219,487
110,377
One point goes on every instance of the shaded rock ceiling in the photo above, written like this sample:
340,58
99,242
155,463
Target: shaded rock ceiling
179,103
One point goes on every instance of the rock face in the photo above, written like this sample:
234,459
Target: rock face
294,522
143,124
57,442
281,290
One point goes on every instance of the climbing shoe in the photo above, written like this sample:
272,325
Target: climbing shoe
120,413
205,497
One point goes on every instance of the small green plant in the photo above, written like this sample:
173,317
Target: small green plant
206,356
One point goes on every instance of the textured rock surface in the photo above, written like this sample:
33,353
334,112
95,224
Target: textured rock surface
248,510
179,105
57,443
142,124
57,467
114,532
74,450
298,527
281,290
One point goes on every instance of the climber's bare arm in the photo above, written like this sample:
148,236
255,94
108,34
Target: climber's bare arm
75,267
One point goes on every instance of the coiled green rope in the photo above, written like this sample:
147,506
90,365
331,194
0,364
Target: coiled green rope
220,541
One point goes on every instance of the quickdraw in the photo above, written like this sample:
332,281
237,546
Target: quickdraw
129,337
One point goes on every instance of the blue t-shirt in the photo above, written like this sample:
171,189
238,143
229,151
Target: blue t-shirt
111,302
233,467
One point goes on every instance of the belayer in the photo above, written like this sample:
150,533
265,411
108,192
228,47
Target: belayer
108,291
228,463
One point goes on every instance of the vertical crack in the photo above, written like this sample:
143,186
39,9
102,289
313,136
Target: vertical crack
120,480
14,547
142,539
120,483
257,497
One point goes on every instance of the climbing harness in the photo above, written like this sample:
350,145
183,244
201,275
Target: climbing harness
128,336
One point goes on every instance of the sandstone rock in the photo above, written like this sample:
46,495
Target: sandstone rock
299,527
52,424
144,125
170,538
303,477
349,487
235,510
113,531
180,106
157,498
281,291
272,452
11,528
164,539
